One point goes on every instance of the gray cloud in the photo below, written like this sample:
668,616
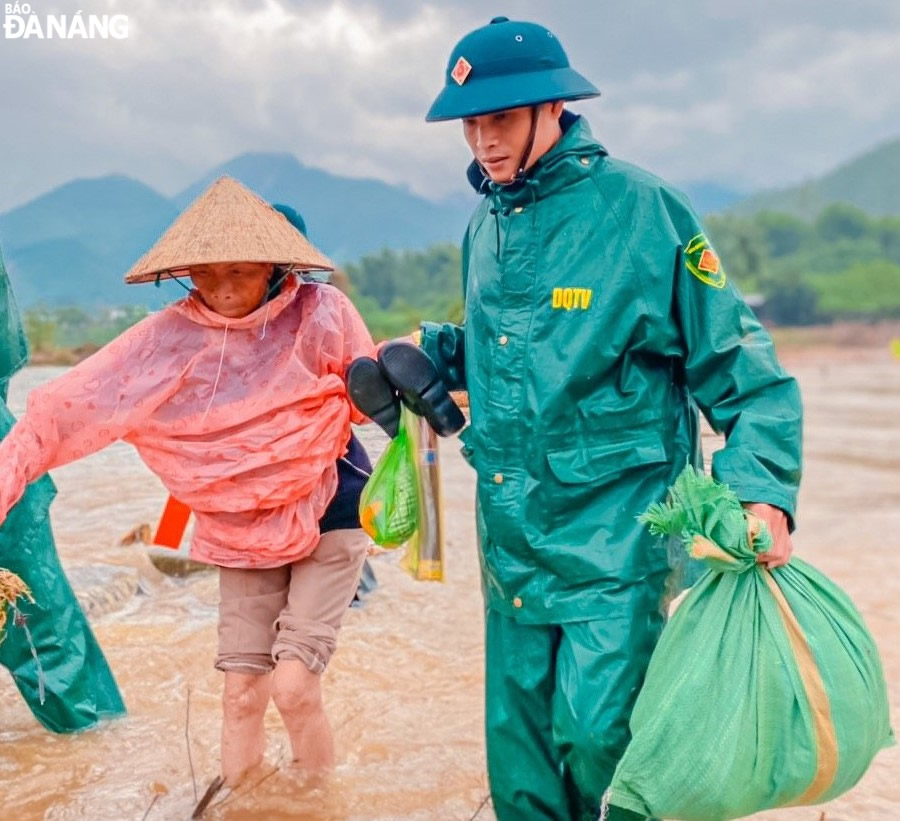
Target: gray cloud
752,93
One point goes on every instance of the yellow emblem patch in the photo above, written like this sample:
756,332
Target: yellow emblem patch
703,262
572,299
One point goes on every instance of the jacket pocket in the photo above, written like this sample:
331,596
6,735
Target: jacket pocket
595,463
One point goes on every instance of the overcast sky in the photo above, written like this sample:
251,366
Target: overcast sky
747,93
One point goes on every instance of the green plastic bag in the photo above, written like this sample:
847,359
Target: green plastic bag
389,505
765,690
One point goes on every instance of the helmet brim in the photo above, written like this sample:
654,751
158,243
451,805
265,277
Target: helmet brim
487,95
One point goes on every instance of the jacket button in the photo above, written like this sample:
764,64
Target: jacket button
498,478
503,340
585,161
517,602
518,209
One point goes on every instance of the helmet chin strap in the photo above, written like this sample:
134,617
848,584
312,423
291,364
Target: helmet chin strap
526,154
529,146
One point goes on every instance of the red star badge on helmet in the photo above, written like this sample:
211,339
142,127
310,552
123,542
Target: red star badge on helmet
461,70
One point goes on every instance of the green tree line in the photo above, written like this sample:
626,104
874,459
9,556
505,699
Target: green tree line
843,265
395,290
52,329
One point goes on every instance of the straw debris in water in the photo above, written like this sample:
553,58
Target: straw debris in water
11,588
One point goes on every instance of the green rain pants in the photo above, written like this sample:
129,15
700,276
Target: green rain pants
558,701
52,654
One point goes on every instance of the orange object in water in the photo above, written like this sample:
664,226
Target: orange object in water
172,524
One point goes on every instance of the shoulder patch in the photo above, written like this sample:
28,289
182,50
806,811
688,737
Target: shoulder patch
703,262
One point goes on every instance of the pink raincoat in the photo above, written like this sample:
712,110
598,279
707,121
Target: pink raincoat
242,419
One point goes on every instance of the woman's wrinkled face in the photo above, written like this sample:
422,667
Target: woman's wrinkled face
232,289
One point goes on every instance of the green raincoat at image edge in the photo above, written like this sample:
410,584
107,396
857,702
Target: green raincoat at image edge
69,687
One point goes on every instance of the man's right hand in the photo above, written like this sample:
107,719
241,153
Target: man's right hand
415,377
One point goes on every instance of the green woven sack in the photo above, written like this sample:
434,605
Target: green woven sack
389,505
765,690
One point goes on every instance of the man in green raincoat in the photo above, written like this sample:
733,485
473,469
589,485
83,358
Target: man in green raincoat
48,645
598,321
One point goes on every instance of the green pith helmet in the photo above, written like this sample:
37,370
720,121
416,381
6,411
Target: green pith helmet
507,64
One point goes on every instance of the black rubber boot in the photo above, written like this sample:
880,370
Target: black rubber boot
411,371
373,395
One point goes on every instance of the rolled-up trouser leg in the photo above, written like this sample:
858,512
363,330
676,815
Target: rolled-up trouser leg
293,611
600,667
249,604
321,589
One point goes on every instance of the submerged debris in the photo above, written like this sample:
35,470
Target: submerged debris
11,589
208,796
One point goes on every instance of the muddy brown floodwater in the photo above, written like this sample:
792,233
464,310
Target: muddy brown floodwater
404,691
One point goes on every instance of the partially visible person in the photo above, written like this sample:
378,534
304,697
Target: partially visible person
47,644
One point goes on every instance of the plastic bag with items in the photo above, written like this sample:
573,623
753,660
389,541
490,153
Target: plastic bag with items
389,505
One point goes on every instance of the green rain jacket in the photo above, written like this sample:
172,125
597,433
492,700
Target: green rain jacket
53,657
13,350
597,322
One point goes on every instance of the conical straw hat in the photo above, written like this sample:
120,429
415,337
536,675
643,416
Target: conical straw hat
227,223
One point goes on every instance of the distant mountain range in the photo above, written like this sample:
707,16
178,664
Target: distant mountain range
346,217
709,197
870,181
72,245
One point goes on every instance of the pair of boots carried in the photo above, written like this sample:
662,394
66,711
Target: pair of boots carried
403,373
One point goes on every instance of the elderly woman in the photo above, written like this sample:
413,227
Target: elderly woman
235,397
